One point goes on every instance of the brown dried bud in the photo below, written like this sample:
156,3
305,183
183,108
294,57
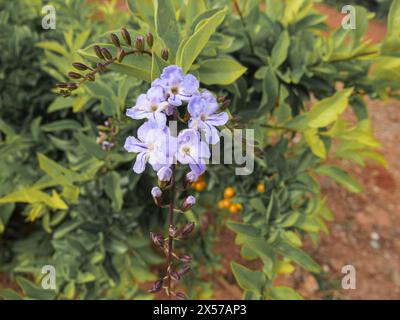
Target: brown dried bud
121,55
226,104
127,37
115,40
72,85
187,228
80,66
106,53
74,75
175,275
185,258
98,52
101,67
164,54
139,43
180,296
90,77
157,239
173,231
156,286
189,202
184,270
62,85
149,39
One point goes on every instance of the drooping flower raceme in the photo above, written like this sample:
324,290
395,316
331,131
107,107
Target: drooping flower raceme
157,145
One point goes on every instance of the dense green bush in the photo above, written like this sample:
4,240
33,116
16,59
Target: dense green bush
84,210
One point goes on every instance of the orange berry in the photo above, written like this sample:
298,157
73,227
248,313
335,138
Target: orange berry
200,186
226,203
221,204
238,206
233,208
229,192
261,187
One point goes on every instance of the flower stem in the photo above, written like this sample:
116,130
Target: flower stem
171,223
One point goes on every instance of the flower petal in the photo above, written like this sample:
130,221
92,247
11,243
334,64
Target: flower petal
134,145
140,163
217,119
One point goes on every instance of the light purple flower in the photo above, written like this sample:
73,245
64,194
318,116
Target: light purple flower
202,110
164,174
154,145
177,86
151,105
192,151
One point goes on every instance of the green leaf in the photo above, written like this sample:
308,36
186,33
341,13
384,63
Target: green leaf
191,47
8,294
247,278
61,125
167,26
280,50
53,169
284,293
220,71
258,205
244,229
296,255
326,111
341,177
270,91
316,144
112,187
91,147
33,291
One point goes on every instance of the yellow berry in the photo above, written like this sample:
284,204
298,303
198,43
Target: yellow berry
229,192
261,187
221,204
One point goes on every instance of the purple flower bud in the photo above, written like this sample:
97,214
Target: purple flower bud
185,269
157,286
157,239
188,203
180,296
192,176
157,194
185,258
164,174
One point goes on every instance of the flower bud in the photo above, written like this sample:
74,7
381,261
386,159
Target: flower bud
157,286
157,195
72,85
187,228
189,202
126,35
180,296
184,270
121,55
190,178
164,54
139,43
175,275
74,75
149,39
173,231
98,52
90,77
62,85
106,53
164,176
115,40
80,66
100,67
157,239
185,258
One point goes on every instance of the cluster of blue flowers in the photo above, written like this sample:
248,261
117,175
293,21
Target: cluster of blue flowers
155,144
